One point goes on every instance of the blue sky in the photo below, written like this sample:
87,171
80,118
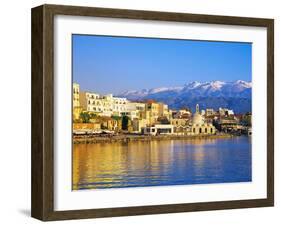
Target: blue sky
106,64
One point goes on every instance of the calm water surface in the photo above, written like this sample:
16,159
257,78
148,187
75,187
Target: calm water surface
136,164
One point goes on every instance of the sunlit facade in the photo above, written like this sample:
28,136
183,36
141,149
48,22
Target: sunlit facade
105,105
199,126
76,90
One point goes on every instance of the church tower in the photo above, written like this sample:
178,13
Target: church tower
197,108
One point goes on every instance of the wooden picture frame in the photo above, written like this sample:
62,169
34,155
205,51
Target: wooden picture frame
43,112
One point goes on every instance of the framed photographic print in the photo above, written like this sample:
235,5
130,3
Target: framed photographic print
141,112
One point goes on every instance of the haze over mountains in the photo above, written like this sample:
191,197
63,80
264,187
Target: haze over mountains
235,95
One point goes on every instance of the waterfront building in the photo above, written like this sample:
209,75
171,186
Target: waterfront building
225,112
134,110
199,126
210,118
93,102
77,109
228,123
96,126
182,130
179,122
163,120
181,126
163,110
106,105
119,104
210,112
154,110
158,129
137,106
138,124
76,113
247,119
183,113
108,123
75,95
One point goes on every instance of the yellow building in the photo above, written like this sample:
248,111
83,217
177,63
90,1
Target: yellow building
87,126
181,126
163,110
138,124
77,109
199,126
109,123
76,112
75,90
154,110
134,110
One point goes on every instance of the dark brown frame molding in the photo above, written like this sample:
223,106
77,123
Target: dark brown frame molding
42,203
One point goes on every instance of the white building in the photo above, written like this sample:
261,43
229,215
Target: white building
199,126
119,105
158,129
134,110
105,105
225,112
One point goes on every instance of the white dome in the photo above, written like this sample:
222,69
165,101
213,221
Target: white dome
197,119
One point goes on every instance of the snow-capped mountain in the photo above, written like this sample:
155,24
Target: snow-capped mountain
236,95
139,94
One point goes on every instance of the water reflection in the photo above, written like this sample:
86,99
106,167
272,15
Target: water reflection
153,163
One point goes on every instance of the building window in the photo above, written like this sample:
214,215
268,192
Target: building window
206,130
211,130
193,130
200,130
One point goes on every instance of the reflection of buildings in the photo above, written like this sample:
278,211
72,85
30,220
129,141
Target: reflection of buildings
93,168
142,163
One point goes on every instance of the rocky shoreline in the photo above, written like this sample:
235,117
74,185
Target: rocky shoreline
132,138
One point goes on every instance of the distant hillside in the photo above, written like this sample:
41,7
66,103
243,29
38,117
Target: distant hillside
234,95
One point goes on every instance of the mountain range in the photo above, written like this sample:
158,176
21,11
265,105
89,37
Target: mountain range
236,95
